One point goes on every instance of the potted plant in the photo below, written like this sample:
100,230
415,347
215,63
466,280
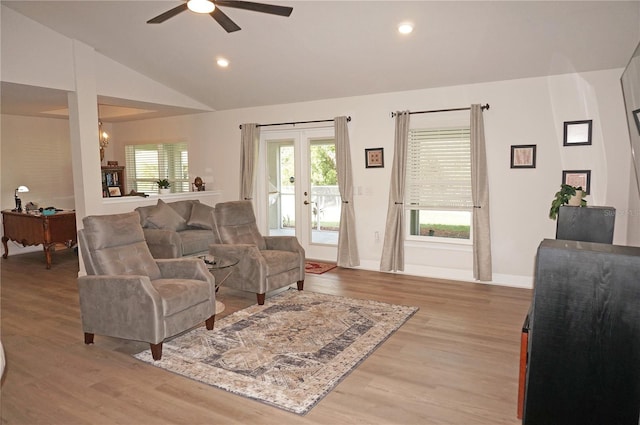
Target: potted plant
163,185
567,195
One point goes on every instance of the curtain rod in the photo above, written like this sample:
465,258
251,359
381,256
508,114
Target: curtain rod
393,114
295,122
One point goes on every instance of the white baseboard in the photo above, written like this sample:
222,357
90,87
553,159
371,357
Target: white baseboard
499,279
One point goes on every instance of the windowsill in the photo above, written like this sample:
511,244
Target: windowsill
451,244
168,197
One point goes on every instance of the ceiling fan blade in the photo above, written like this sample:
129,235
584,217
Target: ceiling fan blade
168,14
256,7
224,20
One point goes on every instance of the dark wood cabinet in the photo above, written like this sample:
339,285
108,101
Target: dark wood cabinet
112,181
583,362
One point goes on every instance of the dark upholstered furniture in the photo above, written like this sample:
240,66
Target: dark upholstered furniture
584,336
265,262
587,224
127,294
177,229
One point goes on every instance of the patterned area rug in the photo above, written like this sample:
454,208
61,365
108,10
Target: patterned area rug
316,267
289,352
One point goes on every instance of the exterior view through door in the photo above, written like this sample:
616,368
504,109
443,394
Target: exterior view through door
302,196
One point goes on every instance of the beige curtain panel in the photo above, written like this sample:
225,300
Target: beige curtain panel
480,193
250,139
393,247
347,242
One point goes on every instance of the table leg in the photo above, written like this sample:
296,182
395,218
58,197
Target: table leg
219,284
47,253
6,248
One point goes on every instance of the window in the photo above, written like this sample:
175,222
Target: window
438,187
148,163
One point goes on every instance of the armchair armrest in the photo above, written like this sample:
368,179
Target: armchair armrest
251,267
110,304
284,243
184,268
287,243
163,243
188,268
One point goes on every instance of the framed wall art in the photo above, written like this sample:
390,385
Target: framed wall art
523,156
114,191
374,157
577,133
578,178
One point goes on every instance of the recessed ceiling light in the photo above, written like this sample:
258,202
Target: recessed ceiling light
405,28
222,62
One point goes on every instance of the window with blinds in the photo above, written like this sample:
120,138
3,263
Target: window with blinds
438,182
149,163
439,169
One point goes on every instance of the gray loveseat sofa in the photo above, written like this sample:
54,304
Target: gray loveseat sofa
178,229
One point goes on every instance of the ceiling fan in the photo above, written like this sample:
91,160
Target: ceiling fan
212,8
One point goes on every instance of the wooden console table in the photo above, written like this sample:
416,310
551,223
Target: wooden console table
31,229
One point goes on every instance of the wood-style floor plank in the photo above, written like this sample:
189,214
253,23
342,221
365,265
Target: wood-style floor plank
454,362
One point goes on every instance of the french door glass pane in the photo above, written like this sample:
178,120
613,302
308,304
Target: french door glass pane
282,211
325,195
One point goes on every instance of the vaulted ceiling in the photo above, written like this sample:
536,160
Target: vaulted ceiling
329,49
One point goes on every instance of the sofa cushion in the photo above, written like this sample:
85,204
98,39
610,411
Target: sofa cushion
196,240
181,207
184,207
201,216
144,213
165,217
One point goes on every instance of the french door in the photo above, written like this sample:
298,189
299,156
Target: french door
297,190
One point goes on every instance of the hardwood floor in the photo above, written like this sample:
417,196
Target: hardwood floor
454,362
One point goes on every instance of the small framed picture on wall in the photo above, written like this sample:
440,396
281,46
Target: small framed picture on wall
577,133
578,178
374,158
523,156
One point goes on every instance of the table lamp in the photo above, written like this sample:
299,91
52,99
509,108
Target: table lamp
19,189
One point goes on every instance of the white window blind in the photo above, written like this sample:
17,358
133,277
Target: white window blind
148,163
439,169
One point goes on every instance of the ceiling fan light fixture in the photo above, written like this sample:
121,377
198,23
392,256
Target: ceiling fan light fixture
201,6
405,28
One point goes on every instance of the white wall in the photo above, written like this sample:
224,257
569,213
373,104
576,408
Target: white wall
36,153
527,111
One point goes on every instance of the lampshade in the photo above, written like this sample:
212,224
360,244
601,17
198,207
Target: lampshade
200,6
22,189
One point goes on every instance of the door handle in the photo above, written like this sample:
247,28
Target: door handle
306,202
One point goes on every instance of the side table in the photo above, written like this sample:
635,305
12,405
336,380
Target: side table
216,265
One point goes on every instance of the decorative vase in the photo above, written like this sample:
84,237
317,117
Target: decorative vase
164,191
576,199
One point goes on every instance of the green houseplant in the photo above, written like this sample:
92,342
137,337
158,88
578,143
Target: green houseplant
163,184
563,197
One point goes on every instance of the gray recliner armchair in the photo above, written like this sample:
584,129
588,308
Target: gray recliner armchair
265,262
127,294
